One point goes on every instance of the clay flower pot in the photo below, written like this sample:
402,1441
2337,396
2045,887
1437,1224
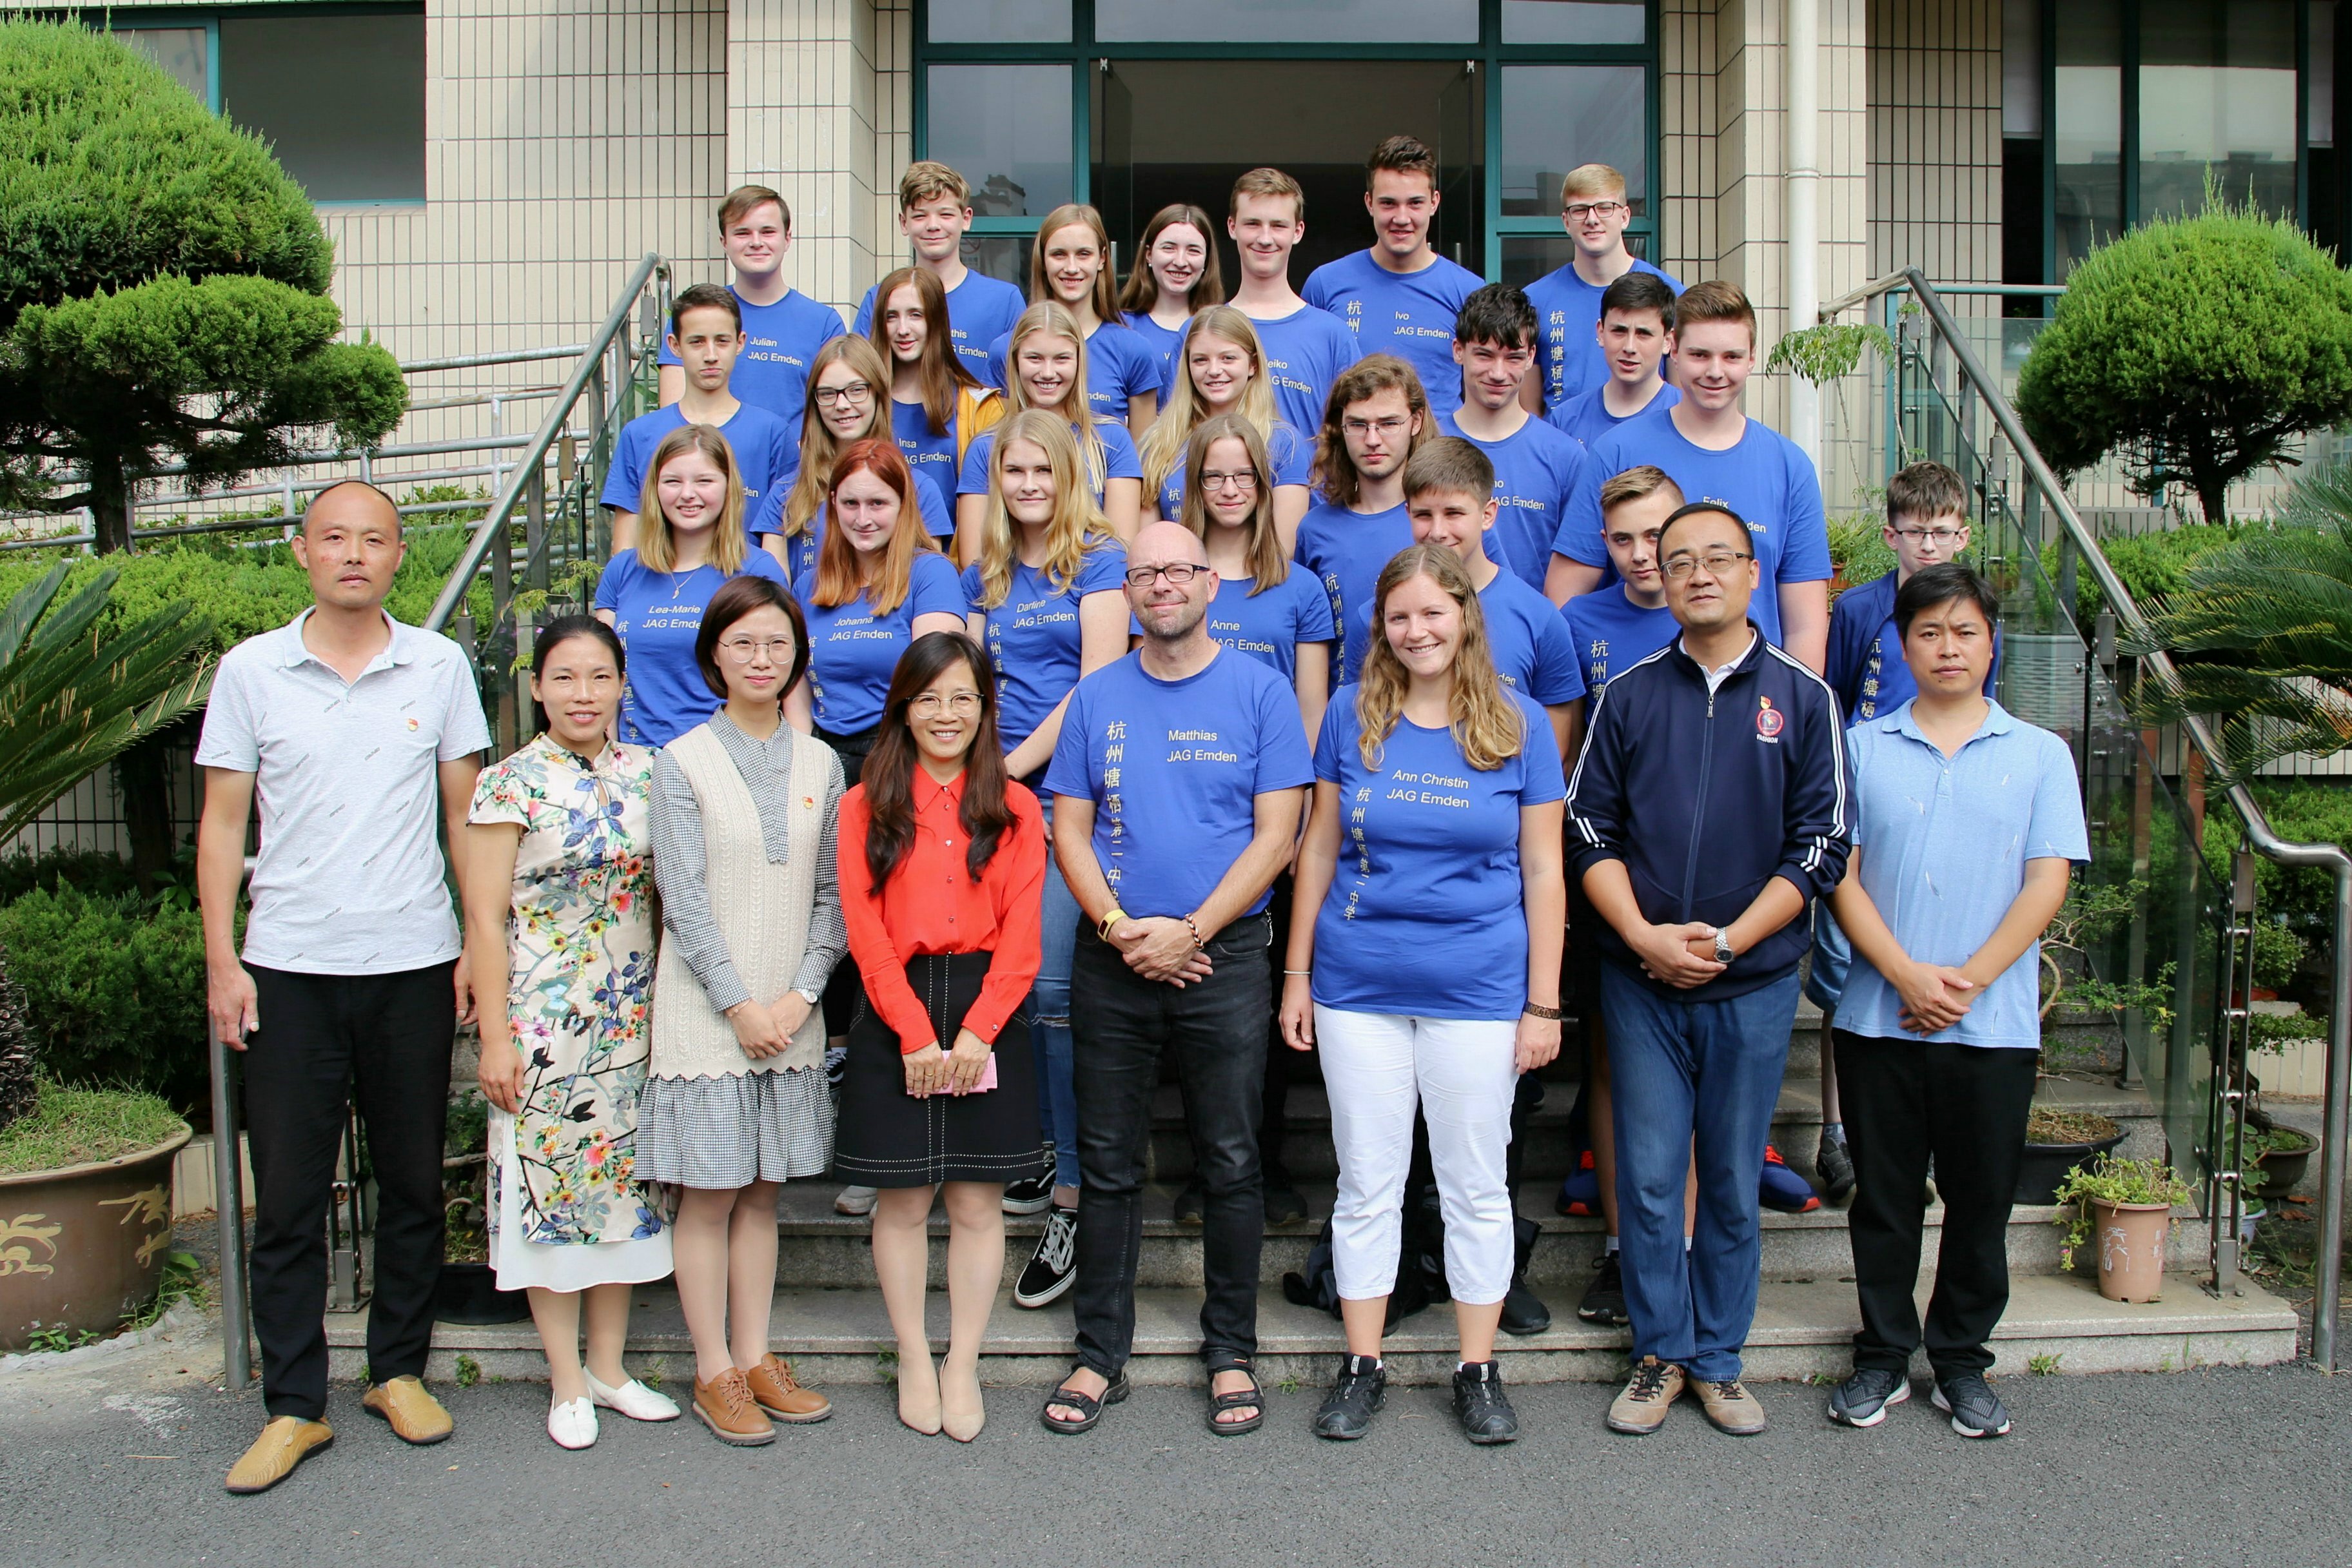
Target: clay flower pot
81,1248
2131,1239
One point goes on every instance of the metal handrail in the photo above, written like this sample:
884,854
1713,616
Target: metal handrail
2265,839
495,522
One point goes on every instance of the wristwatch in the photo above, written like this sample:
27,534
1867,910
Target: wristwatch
814,998
1723,954
1115,917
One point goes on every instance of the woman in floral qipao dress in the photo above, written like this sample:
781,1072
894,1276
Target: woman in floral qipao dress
558,905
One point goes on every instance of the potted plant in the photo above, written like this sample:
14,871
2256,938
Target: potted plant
2128,1204
2055,1143
2281,1155
468,1292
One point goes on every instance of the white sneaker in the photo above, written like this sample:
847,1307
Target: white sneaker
631,1399
855,1201
573,1424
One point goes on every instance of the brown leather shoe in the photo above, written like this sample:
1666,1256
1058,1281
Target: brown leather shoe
1641,1408
414,1415
1731,1408
724,1404
772,1386
285,1443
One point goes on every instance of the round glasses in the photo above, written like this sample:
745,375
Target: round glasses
743,650
930,705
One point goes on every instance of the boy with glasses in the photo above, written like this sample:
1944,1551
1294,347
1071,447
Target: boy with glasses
934,211
1636,334
781,328
1306,349
1374,418
1537,470
1594,211
1400,296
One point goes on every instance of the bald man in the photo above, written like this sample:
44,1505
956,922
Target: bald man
353,730
1178,779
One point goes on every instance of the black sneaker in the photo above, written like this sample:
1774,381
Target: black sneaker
1031,1193
1524,1311
1361,1388
1190,1198
1834,1163
1604,1298
1283,1203
1054,1264
1863,1399
1976,1411
1481,1405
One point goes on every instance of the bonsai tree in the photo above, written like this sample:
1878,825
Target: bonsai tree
2197,348
2090,913
162,290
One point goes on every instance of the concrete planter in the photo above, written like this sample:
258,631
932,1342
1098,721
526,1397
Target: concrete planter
82,1248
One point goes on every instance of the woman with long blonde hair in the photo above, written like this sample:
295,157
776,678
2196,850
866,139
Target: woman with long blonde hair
1069,266
1176,273
1047,601
850,389
1223,371
937,406
1427,964
689,540
1050,368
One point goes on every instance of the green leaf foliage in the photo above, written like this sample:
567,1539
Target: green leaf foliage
80,1126
2197,348
114,989
2300,811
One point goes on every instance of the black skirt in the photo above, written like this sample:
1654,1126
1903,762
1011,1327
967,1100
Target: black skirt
886,1137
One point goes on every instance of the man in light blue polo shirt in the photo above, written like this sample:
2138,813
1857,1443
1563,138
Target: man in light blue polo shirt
1967,823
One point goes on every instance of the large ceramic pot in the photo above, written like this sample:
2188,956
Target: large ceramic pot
82,1248
2131,1239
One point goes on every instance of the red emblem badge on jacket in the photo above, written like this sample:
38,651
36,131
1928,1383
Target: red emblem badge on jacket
1769,720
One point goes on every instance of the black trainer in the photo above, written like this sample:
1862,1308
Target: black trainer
1031,1193
1524,1311
1604,1298
1358,1394
1283,1203
1863,1399
1976,1411
1834,1163
1055,1263
1482,1406
1190,1199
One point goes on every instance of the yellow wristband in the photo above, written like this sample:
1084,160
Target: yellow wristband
1108,920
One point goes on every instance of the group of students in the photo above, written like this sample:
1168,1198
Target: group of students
974,763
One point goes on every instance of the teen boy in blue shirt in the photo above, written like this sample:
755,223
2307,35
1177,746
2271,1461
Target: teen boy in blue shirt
1636,333
1306,349
1969,824
934,210
1376,416
783,328
1537,470
1401,297
1594,211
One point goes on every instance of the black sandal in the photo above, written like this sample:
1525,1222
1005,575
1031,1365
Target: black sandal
1089,1408
1253,1398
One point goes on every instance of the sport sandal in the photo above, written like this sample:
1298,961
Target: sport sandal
1089,1406
1250,1398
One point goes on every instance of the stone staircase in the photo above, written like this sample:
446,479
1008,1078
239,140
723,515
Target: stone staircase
829,1316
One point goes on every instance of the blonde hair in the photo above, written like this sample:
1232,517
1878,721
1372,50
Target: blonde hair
1270,183
657,537
838,574
819,446
1052,319
1486,724
1268,562
1636,484
928,181
1076,214
1163,444
1592,180
1075,527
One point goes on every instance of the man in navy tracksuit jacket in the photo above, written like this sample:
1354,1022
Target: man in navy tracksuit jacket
1711,806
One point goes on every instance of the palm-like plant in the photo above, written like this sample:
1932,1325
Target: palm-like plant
72,696
2265,623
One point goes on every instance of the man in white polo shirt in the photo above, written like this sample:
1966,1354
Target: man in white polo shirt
351,729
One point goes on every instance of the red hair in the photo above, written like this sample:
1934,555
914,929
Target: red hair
838,574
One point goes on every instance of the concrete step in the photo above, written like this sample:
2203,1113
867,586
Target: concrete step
1801,1330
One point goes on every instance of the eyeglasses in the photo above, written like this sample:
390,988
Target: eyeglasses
1241,480
1177,572
963,704
743,650
1577,212
1717,561
849,392
1362,427
1941,538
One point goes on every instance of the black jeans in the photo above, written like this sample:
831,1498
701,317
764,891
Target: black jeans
1964,1105
325,1041
1216,1031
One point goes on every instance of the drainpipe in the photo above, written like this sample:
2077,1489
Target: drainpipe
1801,189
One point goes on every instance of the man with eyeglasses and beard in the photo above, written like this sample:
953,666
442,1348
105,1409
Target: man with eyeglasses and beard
1733,751
1179,778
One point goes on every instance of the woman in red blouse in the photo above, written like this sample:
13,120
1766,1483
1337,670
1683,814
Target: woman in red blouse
942,865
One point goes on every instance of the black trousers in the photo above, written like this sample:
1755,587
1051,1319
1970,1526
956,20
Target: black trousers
326,1041
1906,1100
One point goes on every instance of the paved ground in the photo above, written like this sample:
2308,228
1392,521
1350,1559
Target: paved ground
122,1466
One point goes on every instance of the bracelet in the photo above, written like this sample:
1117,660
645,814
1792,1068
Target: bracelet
1112,917
1537,1010
1197,943
1298,971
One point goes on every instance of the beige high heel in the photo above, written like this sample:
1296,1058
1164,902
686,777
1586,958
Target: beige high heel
961,1423
918,1411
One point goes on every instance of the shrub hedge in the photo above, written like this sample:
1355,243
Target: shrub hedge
114,986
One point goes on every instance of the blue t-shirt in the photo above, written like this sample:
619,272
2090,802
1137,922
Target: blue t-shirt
1943,843
1345,550
767,456
1173,768
1533,652
1292,455
1410,315
1587,418
1121,366
1305,352
801,548
1162,340
1035,639
1613,633
1269,625
1121,460
932,458
1426,915
658,615
1765,478
778,342
981,309
1568,310
1537,473
852,651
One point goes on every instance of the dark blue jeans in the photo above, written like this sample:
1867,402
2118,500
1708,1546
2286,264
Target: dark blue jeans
1692,1073
1216,1030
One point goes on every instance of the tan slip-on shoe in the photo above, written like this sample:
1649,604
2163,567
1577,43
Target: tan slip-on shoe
285,1443
1731,1408
773,1388
414,1416
1641,1408
725,1405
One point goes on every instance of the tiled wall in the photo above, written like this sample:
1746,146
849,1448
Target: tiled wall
1935,138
